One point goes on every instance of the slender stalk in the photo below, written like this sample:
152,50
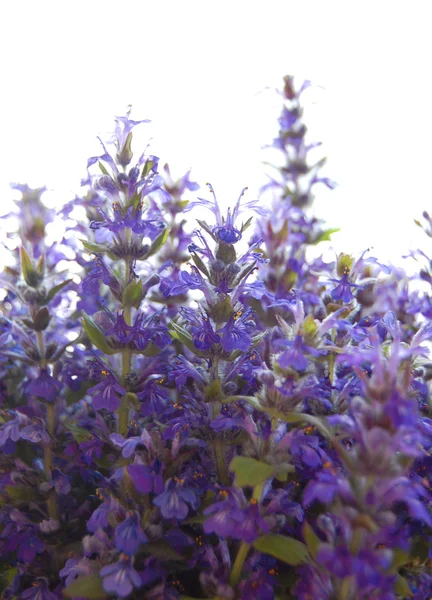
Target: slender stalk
244,547
126,368
238,563
42,362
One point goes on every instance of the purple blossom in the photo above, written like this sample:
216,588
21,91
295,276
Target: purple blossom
120,578
235,335
39,591
128,536
44,386
176,501
105,393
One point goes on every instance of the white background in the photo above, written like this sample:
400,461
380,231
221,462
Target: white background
199,71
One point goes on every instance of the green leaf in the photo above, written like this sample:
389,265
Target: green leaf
158,242
199,263
402,587
133,294
206,227
244,226
7,575
284,548
30,274
249,471
162,549
178,333
88,586
103,169
325,236
80,434
311,539
93,247
245,272
96,335
55,290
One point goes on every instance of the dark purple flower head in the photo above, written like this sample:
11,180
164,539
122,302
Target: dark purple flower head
128,536
120,578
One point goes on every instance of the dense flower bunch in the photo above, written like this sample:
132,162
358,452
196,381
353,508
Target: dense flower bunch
194,414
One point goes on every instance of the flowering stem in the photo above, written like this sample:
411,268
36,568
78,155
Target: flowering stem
43,362
238,563
244,547
126,367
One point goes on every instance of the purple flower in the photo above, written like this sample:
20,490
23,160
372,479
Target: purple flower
225,230
44,386
224,515
128,536
251,524
235,333
10,431
343,290
35,433
99,272
105,392
175,501
75,567
39,591
120,578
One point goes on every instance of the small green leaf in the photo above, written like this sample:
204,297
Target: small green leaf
206,227
55,290
162,549
402,587
87,586
245,272
199,263
93,247
249,471
179,333
80,434
133,294
325,236
284,548
246,225
96,335
311,539
103,169
30,274
182,203
158,242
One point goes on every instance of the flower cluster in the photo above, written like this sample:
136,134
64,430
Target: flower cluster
193,414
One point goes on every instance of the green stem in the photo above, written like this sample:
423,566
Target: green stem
123,410
43,362
238,563
244,547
